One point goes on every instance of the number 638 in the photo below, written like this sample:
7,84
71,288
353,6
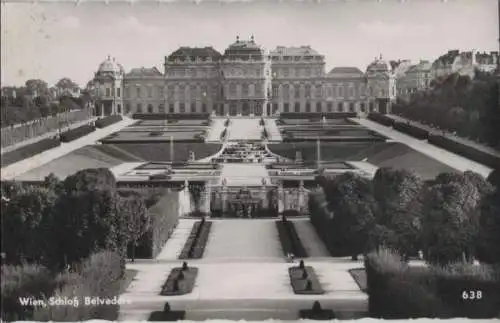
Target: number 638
472,294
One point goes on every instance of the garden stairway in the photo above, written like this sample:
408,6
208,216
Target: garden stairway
215,130
244,129
273,130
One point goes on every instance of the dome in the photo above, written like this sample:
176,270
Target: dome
379,65
110,66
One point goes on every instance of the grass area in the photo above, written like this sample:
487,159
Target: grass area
359,276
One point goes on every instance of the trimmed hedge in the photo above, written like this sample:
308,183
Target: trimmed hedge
107,121
76,133
30,150
164,219
317,313
316,115
197,240
382,119
398,291
175,116
180,281
101,276
290,241
412,130
482,157
291,213
304,281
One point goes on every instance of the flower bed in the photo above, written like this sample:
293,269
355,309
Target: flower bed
304,280
107,121
197,240
180,281
167,315
317,313
290,241
76,133
30,150
163,116
382,119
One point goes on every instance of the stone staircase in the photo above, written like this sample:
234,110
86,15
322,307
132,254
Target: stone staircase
244,129
273,130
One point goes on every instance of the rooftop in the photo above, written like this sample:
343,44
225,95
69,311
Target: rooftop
195,52
294,51
153,71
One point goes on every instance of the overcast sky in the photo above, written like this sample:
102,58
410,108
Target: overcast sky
54,40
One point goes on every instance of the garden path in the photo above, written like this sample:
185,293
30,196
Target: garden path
310,239
244,129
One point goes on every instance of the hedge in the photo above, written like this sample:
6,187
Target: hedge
398,291
316,115
180,281
76,133
195,244
30,150
107,121
304,280
382,119
164,218
176,116
290,241
412,130
480,156
100,278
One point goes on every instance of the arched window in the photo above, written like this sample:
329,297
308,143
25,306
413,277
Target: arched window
329,106
352,107
297,107
286,107
340,107
139,108
161,108
193,107
318,107
308,107
150,108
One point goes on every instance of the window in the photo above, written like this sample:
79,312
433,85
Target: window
170,92
244,89
171,108
160,91
297,91
118,92
204,108
119,108
362,107
351,107
318,107
286,72
362,90
351,92
127,92
192,91
307,91
108,92
161,108
297,107
286,107
127,108
138,90
329,106
204,91
340,92
232,89
182,108
193,107
308,107
307,72
275,107
258,89
340,107
372,107
150,108
275,91
330,91
182,93
139,108
286,91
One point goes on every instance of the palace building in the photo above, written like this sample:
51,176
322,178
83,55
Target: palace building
244,80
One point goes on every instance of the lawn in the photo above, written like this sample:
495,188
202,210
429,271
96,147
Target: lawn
359,276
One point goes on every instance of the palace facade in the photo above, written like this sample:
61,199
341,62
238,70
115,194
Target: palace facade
244,80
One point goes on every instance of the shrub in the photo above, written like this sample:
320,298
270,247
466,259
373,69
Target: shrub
76,133
30,281
100,276
107,121
305,281
382,119
290,241
412,130
30,150
180,281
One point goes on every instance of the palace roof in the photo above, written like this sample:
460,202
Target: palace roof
138,72
195,52
244,49
294,51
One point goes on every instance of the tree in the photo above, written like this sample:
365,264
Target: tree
133,210
488,242
36,86
450,222
398,196
353,207
86,216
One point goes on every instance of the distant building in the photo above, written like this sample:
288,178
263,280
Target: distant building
245,80
414,78
464,63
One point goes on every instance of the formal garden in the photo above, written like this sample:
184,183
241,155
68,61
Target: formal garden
71,238
450,222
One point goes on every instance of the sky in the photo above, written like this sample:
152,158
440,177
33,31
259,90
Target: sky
52,40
